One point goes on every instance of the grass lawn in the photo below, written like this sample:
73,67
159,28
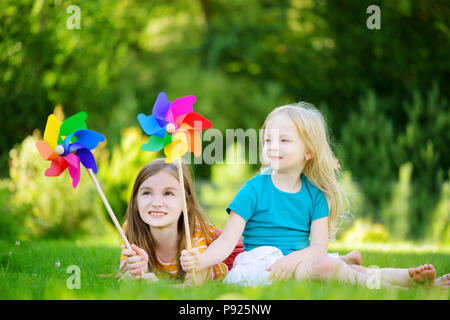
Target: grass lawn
38,270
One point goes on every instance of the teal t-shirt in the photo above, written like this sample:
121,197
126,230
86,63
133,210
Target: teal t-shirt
277,218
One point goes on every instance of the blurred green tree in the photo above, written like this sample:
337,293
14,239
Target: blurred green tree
241,59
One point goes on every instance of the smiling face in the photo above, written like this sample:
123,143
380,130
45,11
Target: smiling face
160,201
284,149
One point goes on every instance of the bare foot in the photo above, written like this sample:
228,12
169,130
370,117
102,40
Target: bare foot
443,281
353,257
423,274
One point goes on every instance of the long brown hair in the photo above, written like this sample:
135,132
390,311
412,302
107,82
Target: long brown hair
138,232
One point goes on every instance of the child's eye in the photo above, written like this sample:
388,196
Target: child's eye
284,140
169,193
145,193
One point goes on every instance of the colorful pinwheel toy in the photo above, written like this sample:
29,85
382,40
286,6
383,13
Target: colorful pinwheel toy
174,127
68,143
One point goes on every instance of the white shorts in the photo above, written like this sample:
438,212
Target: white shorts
249,267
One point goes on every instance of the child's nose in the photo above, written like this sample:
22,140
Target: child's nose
157,203
274,147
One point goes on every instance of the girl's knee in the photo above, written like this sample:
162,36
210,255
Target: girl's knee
316,269
358,268
324,264
324,268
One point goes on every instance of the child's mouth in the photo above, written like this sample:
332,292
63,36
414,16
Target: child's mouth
157,214
275,158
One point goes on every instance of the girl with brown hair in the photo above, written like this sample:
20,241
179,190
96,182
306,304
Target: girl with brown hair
155,226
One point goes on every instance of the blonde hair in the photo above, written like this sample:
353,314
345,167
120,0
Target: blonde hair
138,232
320,169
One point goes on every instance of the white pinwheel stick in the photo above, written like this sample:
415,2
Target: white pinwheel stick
185,213
108,207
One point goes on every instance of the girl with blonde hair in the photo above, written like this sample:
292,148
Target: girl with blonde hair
320,165
289,211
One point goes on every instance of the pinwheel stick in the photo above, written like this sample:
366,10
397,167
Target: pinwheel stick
108,207
185,215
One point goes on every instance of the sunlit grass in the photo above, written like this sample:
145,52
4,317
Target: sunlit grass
37,270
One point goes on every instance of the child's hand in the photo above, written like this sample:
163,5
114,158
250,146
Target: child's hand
200,277
188,281
150,277
126,277
283,268
190,259
137,260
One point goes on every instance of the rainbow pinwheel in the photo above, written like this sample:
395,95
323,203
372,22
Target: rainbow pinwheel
174,127
68,143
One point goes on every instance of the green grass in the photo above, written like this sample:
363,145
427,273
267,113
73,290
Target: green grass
28,271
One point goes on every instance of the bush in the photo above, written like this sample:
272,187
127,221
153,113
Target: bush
375,151
49,206
10,220
424,143
363,230
356,202
367,151
396,212
440,227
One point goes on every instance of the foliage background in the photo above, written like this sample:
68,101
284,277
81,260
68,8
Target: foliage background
383,92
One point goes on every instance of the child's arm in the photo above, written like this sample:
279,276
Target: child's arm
319,241
218,250
285,267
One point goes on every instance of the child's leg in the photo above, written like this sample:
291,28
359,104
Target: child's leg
326,268
404,277
395,276
425,274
